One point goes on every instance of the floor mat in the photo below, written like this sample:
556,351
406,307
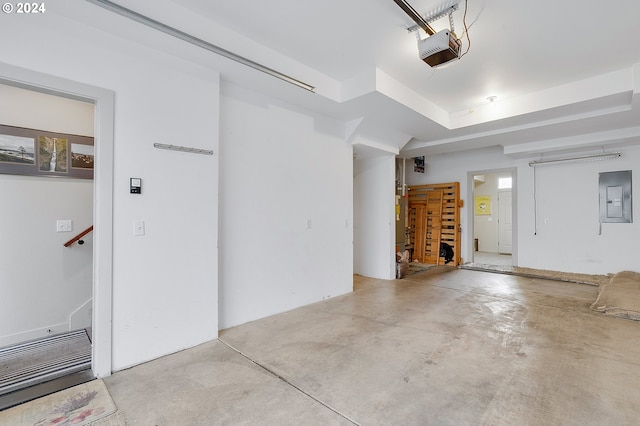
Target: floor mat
416,268
79,405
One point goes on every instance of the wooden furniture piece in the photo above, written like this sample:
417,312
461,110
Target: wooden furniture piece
434,218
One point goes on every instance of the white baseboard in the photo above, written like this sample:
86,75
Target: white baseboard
37,333
81,317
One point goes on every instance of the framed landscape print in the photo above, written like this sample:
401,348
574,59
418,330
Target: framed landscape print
81,156
41,153
17,149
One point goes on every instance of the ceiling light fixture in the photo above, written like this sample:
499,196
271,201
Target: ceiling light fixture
145,20
492,98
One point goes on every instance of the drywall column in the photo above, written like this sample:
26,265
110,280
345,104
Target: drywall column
165,283
373,217
295,248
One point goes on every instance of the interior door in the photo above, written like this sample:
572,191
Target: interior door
505,227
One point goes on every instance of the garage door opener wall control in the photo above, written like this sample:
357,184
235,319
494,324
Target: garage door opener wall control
135,186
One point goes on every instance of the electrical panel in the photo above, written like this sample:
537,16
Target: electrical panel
615,197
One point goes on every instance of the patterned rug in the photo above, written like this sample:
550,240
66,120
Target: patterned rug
79,405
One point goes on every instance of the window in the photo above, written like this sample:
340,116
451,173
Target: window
504,183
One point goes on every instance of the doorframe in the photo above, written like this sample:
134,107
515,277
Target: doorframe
103,100
514,209
500,192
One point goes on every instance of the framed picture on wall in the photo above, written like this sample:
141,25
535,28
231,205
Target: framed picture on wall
41,153
82,156
19,150
52,154
483,204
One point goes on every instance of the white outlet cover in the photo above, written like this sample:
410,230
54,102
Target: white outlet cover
64,225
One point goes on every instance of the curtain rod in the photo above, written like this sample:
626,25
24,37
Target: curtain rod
588,157
145,20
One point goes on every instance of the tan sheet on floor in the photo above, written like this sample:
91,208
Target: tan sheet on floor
620,297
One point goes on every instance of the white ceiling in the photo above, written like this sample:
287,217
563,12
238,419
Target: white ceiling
564,72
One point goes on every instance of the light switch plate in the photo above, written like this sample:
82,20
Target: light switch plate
138,228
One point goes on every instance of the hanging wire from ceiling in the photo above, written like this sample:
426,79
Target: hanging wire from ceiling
465,33
466,28
478,15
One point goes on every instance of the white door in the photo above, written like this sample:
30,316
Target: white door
504,222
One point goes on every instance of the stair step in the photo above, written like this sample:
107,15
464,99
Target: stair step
37,361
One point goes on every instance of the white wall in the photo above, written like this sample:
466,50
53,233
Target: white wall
34,110
164,283
566,194
41,281
374,217
285,208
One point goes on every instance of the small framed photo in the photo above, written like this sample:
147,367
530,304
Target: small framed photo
82,156
53,154
19,150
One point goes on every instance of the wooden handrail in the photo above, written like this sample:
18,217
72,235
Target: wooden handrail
77,237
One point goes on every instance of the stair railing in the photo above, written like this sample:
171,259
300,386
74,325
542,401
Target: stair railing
78,237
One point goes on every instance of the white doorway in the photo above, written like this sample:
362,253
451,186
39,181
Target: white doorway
104,101
492,217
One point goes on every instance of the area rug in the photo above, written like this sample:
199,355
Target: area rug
620,297
79,405
416,268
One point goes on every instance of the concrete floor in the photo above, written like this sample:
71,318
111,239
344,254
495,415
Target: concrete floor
487,258
444,347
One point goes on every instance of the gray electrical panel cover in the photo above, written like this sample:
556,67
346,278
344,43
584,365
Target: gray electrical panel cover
615,197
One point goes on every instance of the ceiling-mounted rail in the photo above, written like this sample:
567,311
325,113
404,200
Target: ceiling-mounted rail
578,158
145,20
78,237
434,17
409,10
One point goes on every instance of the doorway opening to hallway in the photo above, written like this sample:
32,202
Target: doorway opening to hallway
493,217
